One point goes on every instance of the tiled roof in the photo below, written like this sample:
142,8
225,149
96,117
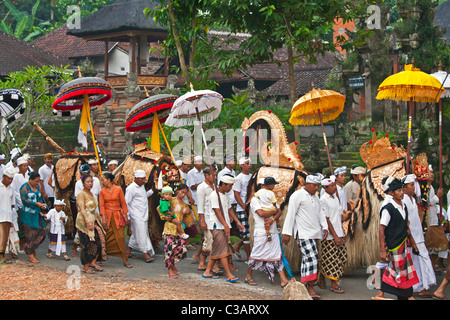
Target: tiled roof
67,46
16,54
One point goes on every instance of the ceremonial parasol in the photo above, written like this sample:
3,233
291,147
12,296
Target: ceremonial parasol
150,113
83,93
318,106
411,85
12,106
443,78
193,108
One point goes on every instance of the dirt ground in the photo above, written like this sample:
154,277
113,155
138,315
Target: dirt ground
24,281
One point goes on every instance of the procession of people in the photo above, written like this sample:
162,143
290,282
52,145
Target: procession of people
314,217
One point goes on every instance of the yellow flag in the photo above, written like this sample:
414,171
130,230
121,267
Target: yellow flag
84,122
155,144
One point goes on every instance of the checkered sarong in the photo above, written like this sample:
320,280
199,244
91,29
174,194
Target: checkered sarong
244,235
310,260
400,272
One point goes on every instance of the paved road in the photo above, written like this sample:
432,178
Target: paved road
353,283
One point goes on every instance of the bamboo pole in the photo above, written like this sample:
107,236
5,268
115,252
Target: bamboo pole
47,138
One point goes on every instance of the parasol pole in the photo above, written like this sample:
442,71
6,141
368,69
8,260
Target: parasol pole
440,138
212,170
408,151
325,141
86,98
174,161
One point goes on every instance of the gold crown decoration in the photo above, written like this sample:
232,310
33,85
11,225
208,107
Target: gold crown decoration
420,166
379,151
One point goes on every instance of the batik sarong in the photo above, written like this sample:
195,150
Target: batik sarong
174,250
334,258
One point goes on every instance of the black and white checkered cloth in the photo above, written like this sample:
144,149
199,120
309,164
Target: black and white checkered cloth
310,260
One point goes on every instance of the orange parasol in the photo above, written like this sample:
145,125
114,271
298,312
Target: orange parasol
411,85
318,106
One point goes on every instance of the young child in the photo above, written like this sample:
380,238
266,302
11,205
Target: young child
267,198
166,210
57,219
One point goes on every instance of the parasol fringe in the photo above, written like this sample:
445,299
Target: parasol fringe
406,93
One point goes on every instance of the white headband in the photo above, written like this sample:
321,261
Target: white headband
327,181
314,178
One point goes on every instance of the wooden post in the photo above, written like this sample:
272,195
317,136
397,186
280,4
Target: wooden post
106,72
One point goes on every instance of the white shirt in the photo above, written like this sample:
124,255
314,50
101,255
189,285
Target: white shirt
433,200
304,218
220,175
45,172
7,200
386,217
342,195
415,225
194,177
56,224
331,209
136,198
96,187
255,204
214,204
241,186
17,183
203,205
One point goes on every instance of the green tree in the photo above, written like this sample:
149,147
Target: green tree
38,87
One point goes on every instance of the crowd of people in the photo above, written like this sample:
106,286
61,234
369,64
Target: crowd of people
216,204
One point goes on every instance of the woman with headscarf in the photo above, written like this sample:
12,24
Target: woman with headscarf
114,215
89,227
32,222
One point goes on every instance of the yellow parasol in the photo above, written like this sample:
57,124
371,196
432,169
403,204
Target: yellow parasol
411,85
318,106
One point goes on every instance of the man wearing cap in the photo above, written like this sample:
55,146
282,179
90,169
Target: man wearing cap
195,176
45,172
400,274
240,195
306,223
340,174
334,253
421,261
112,165
353,187
136,198
7,200
220,212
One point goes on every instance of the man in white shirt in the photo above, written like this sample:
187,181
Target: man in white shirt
334,253
195,176
112,165
204,190
136,198
305,221
421,261
230,163
6,210
45,172
400,274
2,166
220,212
19,179
184,166
240,196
